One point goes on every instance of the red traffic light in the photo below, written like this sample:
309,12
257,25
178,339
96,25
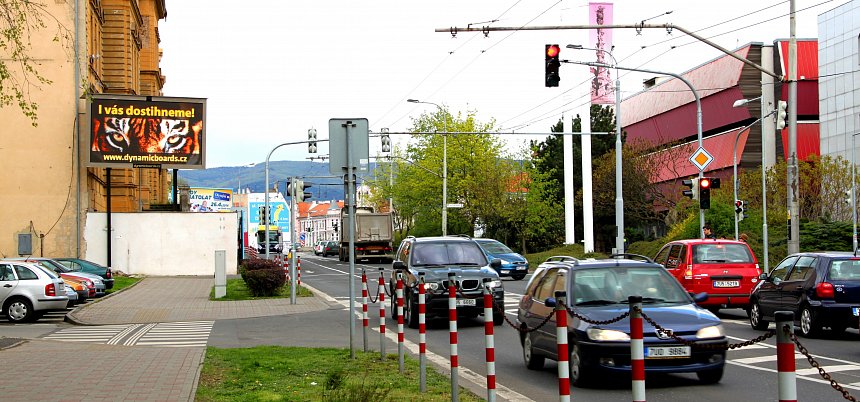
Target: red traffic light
553,51
739,203
704,182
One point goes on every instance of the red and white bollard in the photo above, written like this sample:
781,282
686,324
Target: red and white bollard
637,348
490,341
422,334
364,320
400,321
452,331
298,270
785,365
381,315
561,340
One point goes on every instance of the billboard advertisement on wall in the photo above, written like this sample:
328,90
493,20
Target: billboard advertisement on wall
147,131
210,199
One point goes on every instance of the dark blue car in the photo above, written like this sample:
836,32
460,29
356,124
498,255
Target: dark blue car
821,288
513,264
599,291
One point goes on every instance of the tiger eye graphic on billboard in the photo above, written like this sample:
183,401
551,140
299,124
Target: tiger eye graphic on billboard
136,131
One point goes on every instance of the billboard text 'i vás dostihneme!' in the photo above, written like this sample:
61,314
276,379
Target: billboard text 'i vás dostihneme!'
128,131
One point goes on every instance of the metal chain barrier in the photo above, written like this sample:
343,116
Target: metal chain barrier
372,299
513,324
760,338
574,314
824,374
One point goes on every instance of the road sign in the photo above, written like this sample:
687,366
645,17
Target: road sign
357,142
455,205
701,158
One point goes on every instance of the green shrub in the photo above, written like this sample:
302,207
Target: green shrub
263,277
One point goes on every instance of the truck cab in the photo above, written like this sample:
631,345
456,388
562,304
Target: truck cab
275,242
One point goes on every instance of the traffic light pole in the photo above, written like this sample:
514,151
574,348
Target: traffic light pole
735,182
292,190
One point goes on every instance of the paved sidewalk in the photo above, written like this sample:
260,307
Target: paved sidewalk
133,373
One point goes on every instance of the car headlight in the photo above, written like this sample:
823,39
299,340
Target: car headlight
432,286
495,283
506,262
715,331
597,334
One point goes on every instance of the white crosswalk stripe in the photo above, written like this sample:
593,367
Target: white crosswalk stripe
169,334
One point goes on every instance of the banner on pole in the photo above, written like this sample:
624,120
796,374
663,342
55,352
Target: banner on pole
601,39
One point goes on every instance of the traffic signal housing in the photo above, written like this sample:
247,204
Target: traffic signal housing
693,191
312,141
297,188
781,114
551,77
705,184
746,207
386,140
739,209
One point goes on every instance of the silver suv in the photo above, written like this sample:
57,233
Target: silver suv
27,291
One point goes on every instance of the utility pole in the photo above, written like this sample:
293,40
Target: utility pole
792,171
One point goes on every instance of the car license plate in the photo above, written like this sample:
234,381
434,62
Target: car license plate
727,284
667,352
465,302
856,311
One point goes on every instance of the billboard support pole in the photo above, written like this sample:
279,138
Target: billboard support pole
109,229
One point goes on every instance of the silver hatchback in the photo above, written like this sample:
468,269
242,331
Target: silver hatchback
27,291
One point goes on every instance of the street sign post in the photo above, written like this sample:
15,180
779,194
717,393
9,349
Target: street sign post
358,145
701,159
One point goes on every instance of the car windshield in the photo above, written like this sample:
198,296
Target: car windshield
601,286
721,252
447,253
53,267
494,247
845,269
70,266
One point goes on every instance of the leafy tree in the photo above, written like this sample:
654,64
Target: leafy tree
19,69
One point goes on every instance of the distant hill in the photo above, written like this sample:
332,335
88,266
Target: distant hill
325,186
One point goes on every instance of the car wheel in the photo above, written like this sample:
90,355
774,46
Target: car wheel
809,326
410,311
579,374
756,321
532,361
710,376
19,310
394,307
517,277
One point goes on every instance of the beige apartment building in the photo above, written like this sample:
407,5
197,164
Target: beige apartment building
46,187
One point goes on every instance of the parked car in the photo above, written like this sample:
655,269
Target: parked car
318,247
726,269
599,290
513,264
435,257
821,288
79,265
27,291
72,295
61,270
81,287
331,247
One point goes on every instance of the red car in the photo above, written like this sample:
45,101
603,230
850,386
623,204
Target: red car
726,269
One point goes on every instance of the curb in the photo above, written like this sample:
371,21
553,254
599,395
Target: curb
70,316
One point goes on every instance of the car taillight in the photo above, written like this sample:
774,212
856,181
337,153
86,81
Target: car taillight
108,274
50,290
824,290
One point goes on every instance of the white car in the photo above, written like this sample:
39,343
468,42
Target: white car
27,291
319,246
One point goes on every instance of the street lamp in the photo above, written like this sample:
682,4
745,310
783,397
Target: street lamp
444,165
739,103
619,197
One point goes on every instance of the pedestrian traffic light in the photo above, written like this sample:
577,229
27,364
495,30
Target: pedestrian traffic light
705,193
781,114
739,209
312,141
551,77
386,140
693,184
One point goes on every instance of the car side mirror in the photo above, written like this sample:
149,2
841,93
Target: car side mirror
399,265
762,276
700,297
549,302
496,263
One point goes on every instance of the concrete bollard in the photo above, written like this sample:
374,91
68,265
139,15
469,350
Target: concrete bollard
637,349
785,365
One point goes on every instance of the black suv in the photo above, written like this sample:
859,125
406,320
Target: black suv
436,257
821,288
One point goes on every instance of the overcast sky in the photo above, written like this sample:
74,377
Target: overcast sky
273,69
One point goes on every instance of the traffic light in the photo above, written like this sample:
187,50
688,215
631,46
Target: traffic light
781,114
693,184
746,207
386,140
312,141
551,77
297,190
264,216
739,209
705,193
848,198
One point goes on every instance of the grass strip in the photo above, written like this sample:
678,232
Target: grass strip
237,290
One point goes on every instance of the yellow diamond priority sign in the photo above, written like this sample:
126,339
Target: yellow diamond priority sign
701,158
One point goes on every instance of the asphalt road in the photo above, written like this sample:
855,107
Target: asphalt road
750,371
